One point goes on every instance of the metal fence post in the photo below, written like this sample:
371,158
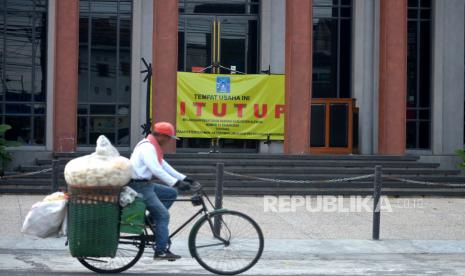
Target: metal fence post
218,195
376,196
55,186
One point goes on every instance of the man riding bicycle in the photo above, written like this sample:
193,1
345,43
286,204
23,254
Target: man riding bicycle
147,161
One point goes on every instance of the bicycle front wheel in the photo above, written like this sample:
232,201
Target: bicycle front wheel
130,249
226,242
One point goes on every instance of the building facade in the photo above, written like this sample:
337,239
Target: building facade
71,70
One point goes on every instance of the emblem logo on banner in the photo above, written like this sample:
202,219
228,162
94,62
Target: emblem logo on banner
223,84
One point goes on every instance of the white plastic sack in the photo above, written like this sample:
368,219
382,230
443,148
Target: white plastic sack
127,196
45,218
57,196
104,167
64,226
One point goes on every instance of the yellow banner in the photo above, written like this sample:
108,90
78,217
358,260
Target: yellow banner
230,106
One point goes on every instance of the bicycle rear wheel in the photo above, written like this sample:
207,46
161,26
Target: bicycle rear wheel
130,249
226,242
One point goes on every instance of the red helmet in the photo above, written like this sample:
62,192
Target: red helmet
165,128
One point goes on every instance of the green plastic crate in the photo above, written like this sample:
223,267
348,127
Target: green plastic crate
133,217
93,229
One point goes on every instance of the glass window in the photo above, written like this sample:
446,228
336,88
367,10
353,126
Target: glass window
332,48
23,48
104,71
218,7
419,75
236,24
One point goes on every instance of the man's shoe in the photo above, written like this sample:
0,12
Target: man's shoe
165,255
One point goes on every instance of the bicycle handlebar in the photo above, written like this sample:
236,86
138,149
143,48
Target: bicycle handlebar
195,186
197,189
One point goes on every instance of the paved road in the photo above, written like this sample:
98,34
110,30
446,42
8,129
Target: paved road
281,257
356,264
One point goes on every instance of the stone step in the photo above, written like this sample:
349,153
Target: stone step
347,192
253,191
266,170
306,163
290,157
432,178
30,182
228,156
71,155
335,185
209,180
265,185
283,162
279,166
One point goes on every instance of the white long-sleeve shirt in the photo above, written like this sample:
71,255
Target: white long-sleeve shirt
145,165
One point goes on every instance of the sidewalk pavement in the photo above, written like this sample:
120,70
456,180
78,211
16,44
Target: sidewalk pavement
418,236
415,218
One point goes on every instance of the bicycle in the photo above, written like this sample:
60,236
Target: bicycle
212,241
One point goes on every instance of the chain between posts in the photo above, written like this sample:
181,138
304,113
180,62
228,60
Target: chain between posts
55,173
25,174
334,180
378,177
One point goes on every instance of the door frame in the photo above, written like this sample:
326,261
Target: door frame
214,35
214,19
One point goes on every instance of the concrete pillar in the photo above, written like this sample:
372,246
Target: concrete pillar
393,77
272,49
278,28
50,74
272,35
265,34
448,76
376,78
364,56
66,76
298,76
142,26
165,62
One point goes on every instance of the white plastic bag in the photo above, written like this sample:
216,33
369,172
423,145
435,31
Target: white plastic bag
64,226
45,218
127,196
104,167
56,196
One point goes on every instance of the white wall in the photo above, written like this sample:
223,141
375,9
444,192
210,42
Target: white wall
50,74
